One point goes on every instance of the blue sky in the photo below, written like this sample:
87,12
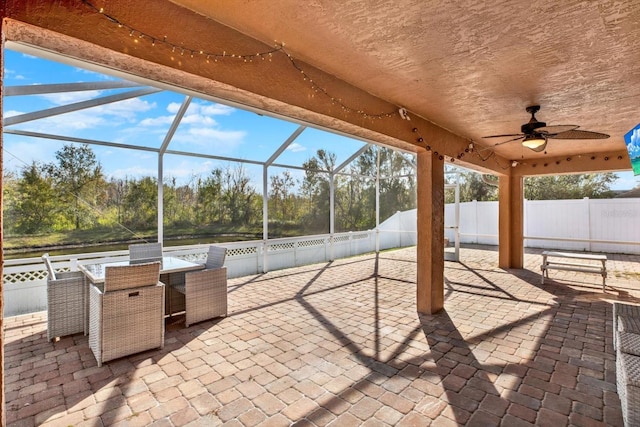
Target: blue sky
207,127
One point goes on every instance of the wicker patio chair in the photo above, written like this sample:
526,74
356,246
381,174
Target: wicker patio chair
205,291
628,386
65,301
145,252
623,310
127,312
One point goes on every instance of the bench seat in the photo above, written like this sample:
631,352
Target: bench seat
552,260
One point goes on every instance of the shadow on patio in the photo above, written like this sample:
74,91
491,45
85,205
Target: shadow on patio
341,344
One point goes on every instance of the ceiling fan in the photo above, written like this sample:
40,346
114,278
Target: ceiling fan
535,134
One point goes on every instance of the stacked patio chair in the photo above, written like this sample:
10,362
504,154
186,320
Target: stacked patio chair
65,301
205,291
626,341
127,312
145,252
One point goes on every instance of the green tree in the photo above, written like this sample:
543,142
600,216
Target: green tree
238,195
316,190
141,203
474,186
556,187
397,183
77,178
35,203
282,198
209,198
116,192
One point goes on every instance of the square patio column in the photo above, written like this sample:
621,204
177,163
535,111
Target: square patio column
430,217
511,221
3,416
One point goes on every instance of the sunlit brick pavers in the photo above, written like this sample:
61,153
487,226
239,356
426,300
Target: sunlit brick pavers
341,344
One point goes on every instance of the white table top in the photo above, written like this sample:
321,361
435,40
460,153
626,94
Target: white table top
95,272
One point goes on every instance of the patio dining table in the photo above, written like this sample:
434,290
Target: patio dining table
95,272
172,269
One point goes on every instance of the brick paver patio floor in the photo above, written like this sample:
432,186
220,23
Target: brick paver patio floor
341,344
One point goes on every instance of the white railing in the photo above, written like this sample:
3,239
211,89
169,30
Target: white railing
25,279
605,225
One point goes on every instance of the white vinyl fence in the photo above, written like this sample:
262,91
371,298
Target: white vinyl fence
24,280
609,225
592,225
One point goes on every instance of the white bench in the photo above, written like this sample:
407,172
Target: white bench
590,264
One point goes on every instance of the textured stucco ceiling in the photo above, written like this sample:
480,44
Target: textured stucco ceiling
471,67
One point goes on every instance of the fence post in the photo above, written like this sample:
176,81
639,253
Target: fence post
475,220
587,204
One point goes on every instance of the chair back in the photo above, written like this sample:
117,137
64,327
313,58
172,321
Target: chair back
145,252
50,270
215,257
117,277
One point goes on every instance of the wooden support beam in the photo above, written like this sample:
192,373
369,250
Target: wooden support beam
430,250
511,221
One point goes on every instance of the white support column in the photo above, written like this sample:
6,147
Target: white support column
265,216
457,217
378,199
160,200
163,148
332,218
265,193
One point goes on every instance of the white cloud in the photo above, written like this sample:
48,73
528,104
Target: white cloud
10,113
133,172
9,73
296,148
185,170
21,152
173,107
112,115
216,110
198,119
198,126
65,98
212,109
206,136
157,121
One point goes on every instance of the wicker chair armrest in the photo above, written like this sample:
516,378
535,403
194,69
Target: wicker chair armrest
66,281
70,275
208,271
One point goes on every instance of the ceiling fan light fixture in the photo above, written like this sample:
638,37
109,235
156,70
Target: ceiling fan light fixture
541,148
534,142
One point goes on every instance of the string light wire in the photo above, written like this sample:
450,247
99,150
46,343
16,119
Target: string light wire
208,56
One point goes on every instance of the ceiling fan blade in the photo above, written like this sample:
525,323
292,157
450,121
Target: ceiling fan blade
509,140
504,136
579,134
549,130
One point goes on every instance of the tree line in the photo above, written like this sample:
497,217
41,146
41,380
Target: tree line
475,186
73,193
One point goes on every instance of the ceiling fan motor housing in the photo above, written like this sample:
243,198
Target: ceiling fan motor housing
529,128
